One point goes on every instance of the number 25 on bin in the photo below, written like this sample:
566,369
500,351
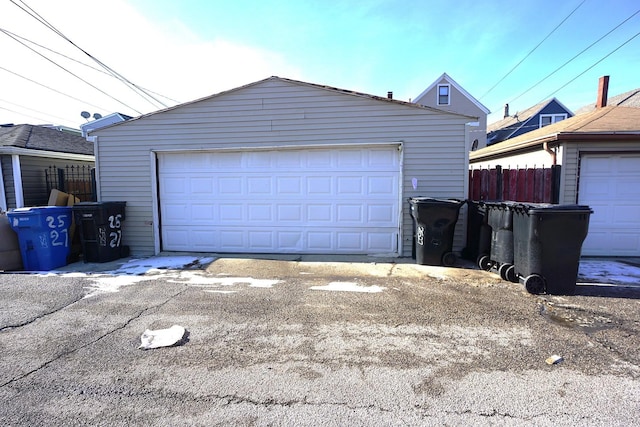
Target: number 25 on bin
115,236
58,237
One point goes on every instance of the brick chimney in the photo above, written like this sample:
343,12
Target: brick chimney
603,92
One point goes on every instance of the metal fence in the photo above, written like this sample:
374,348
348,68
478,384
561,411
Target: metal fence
79,180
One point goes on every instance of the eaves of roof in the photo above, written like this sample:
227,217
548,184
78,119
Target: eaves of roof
297,82
605,124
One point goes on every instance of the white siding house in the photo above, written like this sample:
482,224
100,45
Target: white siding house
281,166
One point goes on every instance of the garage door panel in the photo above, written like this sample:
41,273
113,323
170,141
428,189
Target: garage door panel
316,201
610,185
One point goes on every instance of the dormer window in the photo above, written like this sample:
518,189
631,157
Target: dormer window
444,94
548,119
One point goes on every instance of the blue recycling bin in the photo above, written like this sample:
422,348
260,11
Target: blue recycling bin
43,234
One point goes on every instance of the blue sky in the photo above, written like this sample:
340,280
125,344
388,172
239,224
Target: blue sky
189,49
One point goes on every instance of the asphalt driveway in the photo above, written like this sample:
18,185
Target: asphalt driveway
311,342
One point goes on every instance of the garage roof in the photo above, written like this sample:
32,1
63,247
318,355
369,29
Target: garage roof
612,121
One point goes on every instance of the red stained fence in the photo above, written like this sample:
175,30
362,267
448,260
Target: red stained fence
518,185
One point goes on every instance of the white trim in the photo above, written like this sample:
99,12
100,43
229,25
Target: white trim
17,180
400,241
448,86
277,147
3,198
16,151
155,200
552,115
96,167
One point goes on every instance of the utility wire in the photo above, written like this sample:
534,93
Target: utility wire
74,75
78,62
30,109
596,63
22,114
52,89
124,80
583,51
532,50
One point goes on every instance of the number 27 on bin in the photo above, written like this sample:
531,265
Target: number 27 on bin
58,237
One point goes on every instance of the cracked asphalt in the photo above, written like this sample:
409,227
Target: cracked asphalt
282,342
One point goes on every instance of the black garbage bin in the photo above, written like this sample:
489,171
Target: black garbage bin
100,225
478,233
434,225
547,244
501,257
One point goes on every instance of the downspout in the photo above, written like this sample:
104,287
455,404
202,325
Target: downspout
545,147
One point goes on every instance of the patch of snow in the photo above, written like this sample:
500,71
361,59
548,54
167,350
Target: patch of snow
347,287
156,265
607,272
111,284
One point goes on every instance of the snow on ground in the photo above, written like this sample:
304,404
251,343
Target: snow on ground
180,269
347,287
607,272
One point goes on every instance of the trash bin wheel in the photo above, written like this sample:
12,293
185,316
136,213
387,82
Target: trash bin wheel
511,275
448,259
484,262
502,270
534,284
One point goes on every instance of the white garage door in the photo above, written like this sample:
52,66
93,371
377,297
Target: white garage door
610,185
325,201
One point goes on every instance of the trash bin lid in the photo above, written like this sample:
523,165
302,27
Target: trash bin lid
550,208
432,200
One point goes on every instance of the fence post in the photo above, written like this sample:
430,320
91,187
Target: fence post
61,181
499,183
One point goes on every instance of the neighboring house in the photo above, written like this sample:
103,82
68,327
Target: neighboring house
600,156
102,122
540,115
281,166
26,151
445,94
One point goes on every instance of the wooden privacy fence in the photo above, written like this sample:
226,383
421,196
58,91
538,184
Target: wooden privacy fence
540,185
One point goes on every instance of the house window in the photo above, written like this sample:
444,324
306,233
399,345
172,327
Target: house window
443,94
548,119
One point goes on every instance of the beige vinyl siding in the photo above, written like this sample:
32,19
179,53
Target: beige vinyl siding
276,113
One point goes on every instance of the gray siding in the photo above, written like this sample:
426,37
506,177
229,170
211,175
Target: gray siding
277,113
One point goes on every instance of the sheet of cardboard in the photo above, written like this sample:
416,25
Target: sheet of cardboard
58,198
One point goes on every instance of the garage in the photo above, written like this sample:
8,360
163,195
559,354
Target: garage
609,184
322,200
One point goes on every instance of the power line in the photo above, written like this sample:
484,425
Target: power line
52,89
596,63
139,91
78,62
30,109
22,114
73,74
583,51
533,50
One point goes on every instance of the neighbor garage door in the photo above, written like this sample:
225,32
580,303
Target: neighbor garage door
339,200
610,185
